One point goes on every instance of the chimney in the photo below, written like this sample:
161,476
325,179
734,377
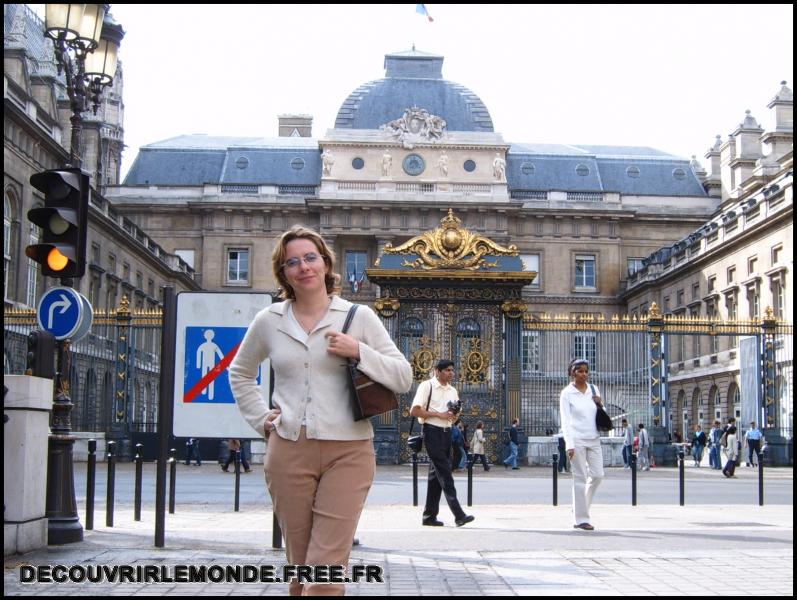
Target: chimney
781,141
295,125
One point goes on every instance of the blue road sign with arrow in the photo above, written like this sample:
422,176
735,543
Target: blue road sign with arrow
65,313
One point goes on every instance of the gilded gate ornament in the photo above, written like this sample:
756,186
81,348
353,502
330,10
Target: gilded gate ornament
451,247
475,363
514,308
424,358
387,307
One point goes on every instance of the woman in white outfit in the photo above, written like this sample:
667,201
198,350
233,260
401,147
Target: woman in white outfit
578,405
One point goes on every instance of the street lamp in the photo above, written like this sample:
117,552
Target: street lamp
86,43
86,49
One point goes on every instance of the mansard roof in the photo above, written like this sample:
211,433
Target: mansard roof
635,170
199,159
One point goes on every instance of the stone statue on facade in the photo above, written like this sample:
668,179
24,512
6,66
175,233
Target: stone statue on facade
417,125
387,162
499,168
442,164
327,161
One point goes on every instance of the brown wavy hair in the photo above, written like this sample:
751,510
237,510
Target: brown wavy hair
279,255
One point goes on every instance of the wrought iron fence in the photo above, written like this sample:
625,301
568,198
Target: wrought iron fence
102,378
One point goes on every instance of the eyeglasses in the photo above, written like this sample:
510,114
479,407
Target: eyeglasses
293,263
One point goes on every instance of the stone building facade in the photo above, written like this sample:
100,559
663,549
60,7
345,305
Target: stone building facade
122,258
736,266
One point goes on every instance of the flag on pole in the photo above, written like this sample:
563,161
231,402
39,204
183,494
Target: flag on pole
421,10
353,281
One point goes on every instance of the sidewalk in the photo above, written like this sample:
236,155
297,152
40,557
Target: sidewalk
514,550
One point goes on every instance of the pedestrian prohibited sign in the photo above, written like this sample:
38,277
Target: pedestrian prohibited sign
210,329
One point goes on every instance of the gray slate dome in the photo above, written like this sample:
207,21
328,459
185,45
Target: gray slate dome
413,78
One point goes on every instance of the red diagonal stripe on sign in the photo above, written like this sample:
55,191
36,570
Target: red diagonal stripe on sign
210,376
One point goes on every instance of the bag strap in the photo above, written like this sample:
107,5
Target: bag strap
428,402
592,387
349,319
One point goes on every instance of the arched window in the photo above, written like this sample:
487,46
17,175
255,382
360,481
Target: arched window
410,333
8,229
697,401
683,412
714,402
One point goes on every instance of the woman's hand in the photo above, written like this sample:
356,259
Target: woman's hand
342,344
570,454
597,400
269,426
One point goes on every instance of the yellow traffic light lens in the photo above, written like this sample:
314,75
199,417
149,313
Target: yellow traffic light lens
56,261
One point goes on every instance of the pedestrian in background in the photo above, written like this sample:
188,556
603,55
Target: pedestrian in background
233,446
752,440
731,452
698,443
192,452
578,405
628,443
514,444
477,446
643,450
714,437
441,397
457,446
320,462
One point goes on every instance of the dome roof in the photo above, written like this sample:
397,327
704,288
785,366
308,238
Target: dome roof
413,79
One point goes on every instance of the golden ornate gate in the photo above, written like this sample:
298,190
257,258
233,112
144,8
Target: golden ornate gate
451,293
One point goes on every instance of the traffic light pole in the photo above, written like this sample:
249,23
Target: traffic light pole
63,522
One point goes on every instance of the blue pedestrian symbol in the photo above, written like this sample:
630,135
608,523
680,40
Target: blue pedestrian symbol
208,354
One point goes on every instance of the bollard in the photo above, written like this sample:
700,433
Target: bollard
90,473
681,477
761,477
414,479
556,479
276,533
237,478
172,478
470,483
633,479
139,475
111,482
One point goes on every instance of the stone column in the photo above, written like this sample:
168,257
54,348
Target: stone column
26,409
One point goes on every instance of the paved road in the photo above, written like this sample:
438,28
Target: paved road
393,485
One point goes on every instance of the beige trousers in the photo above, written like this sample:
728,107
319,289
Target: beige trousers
587,468
318,488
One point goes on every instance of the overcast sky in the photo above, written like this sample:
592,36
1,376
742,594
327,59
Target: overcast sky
666,76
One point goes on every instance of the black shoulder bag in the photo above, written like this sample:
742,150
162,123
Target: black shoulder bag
602,419
369,398
415,442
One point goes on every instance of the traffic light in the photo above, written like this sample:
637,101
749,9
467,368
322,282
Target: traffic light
41,354
63,220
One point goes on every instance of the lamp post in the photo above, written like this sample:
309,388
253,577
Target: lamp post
86,47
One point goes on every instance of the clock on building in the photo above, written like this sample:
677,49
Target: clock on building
413,164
